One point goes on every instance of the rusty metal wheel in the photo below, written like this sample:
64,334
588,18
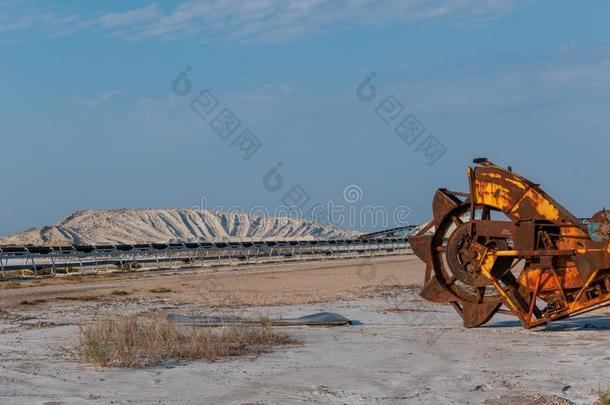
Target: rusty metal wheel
455,262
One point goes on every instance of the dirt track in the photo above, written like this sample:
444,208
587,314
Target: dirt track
275,284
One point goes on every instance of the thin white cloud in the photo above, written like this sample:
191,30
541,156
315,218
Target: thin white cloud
602,50
129,18
590,75
265,93
237,21
102,98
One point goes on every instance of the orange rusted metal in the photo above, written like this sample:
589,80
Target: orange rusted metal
507,243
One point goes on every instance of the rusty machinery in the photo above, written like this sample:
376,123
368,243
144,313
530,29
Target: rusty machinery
508,243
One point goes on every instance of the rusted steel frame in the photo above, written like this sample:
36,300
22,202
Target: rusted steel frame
561,225
526,319
585,286
547,242
494,229
519,259
556,246
575,308
510,302
569,237
585,250
451,195
518,200
429,274
535,294
426,228
458,193
521,197
537,252
603,303
572,311
561,289
471,182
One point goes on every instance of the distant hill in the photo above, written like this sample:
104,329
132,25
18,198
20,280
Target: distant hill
134,226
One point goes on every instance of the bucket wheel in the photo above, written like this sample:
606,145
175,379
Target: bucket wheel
455,262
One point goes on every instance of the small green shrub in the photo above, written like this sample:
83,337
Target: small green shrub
121,293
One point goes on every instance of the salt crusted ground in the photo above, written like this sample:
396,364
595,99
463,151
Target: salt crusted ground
419,355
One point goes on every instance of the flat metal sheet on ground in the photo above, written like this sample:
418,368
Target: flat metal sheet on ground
317,319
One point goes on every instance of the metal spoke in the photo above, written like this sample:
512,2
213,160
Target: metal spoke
481,293
457,221
451,281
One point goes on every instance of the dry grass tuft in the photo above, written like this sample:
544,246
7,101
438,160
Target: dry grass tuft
603,397
78,298
136,341
7,285
161,290
32,302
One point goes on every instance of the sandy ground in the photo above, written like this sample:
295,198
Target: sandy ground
269,284
421,354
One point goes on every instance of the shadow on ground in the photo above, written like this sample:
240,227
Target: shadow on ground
588,322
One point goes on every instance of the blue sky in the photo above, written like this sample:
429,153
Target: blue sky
88,118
